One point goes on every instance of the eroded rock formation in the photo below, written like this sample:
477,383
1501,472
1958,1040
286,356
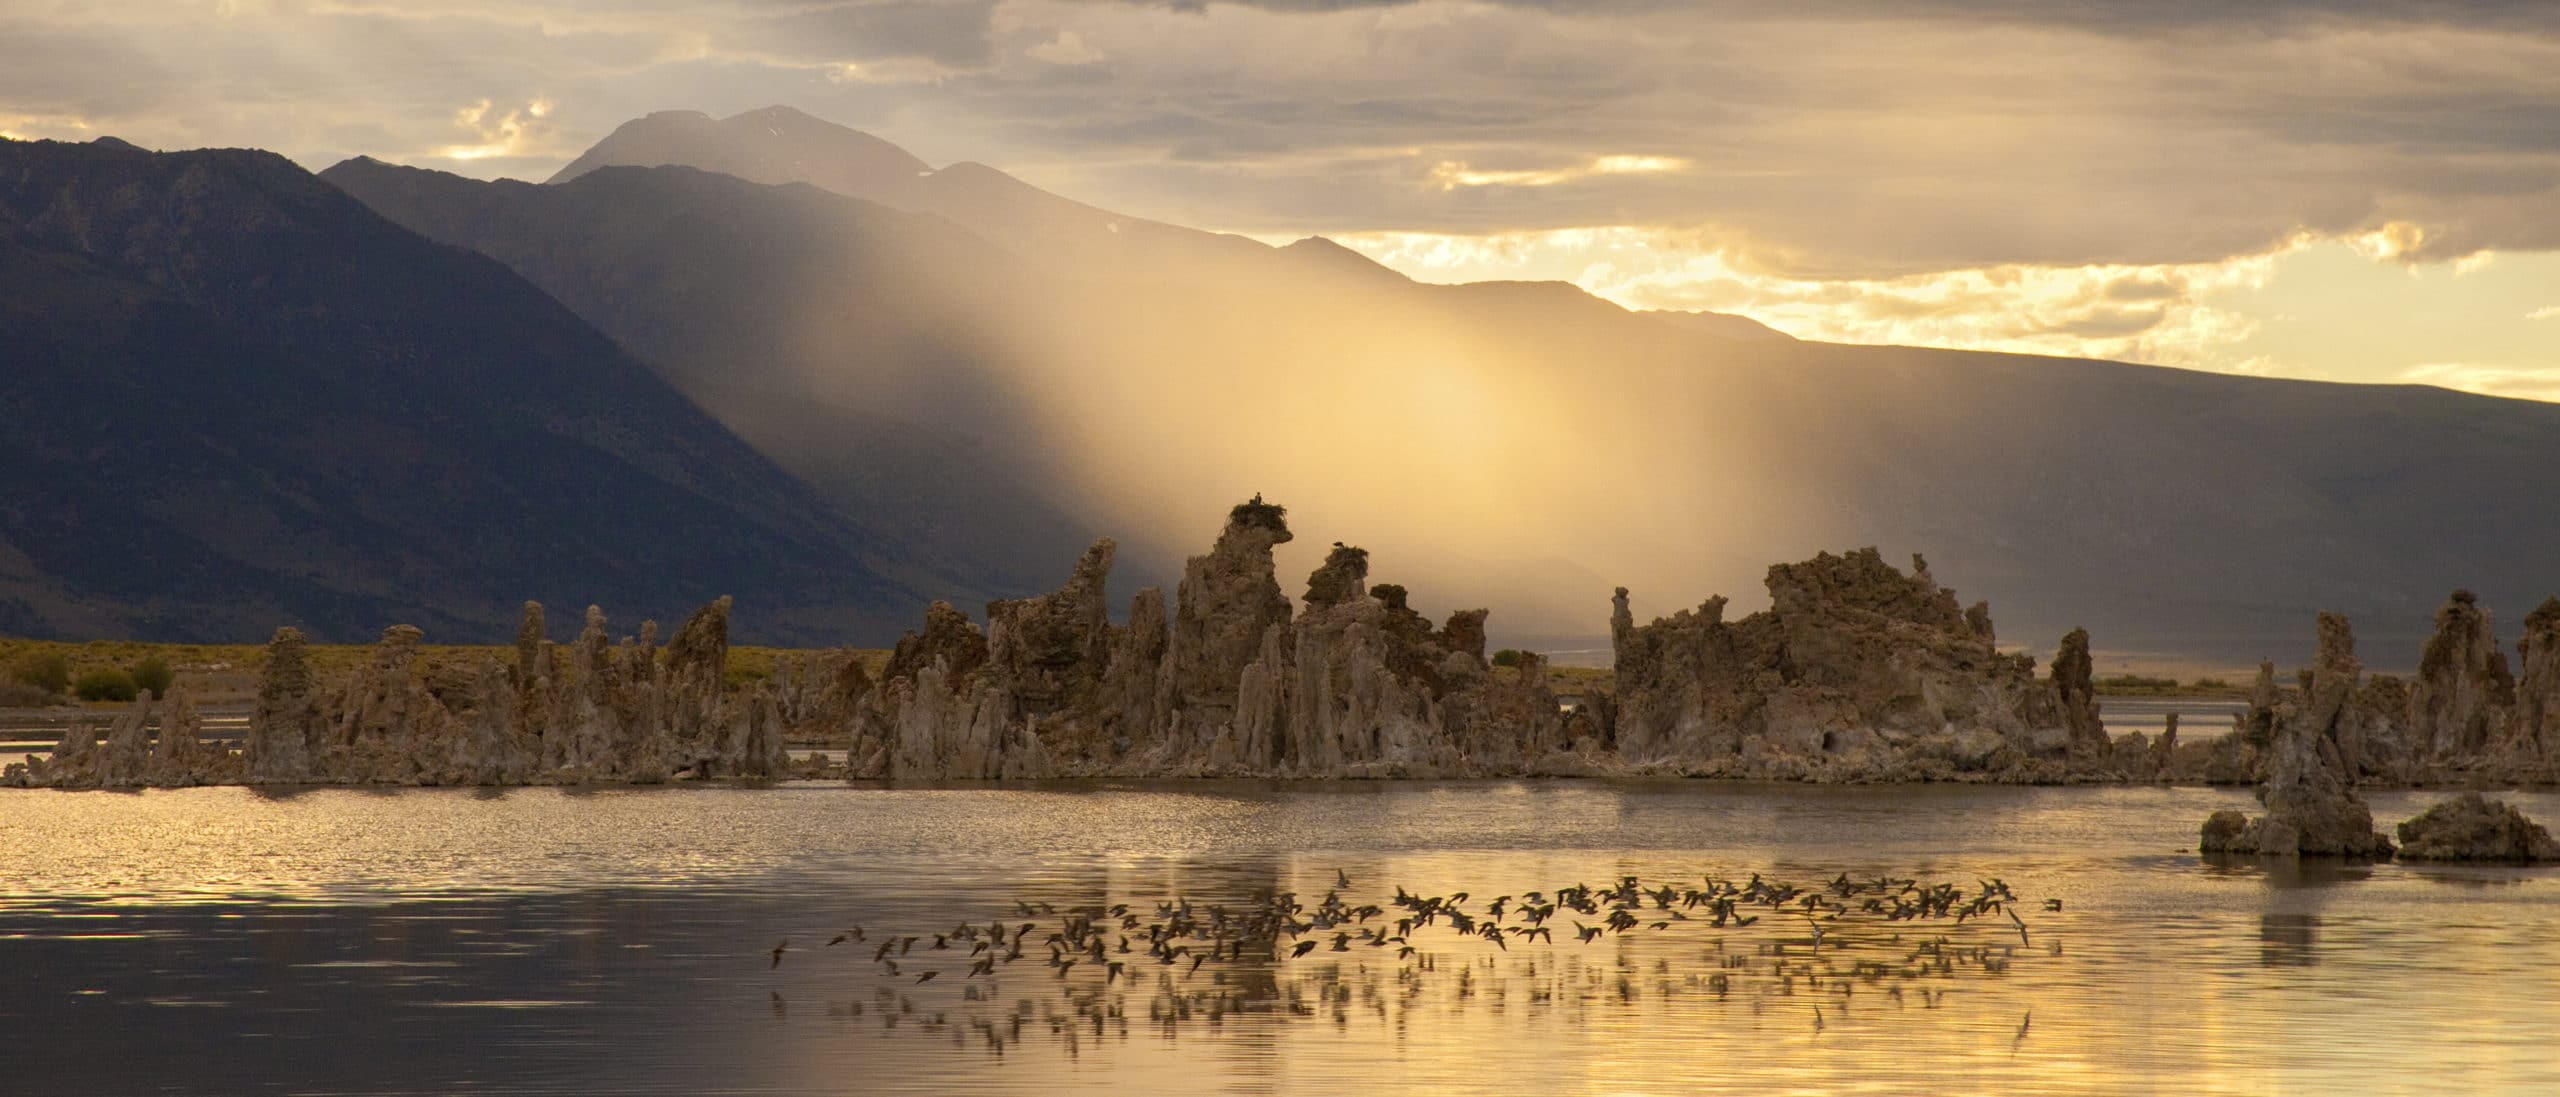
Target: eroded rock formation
2463,692
628,713
1233,681
2311,805
1857,671
2533,735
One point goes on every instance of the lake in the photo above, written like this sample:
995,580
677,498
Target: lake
563,941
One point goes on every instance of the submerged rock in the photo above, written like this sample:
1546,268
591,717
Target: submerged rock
2470,827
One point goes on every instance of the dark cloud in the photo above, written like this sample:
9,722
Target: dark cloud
1865,140
955,34
2127,17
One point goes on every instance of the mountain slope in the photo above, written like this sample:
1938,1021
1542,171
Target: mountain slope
238,398
1478,438
848,341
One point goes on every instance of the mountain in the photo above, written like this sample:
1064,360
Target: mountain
1519,445
783,145
238,398
773,145
848,341
1725,324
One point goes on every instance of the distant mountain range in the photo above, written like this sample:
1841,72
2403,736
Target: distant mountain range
962,377
237,398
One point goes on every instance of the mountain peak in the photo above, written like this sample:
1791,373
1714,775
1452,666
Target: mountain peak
778,114
1332,255
775,144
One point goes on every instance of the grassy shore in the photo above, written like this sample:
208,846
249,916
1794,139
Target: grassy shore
229,672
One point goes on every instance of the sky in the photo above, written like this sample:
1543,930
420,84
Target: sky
2344,189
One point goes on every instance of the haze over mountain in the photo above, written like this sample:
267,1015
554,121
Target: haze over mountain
783,145
237,398
1519,445
841,338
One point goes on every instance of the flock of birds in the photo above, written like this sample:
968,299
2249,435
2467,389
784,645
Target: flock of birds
1084,972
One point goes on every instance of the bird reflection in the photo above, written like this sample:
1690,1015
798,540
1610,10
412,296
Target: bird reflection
1842,953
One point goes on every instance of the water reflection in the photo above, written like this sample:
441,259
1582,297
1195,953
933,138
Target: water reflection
534,941
2288,940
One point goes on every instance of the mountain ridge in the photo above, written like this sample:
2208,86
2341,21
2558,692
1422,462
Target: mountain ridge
242,399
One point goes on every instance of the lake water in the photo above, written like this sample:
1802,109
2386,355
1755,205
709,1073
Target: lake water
554,941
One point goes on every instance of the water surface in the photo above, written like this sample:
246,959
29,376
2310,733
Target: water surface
557,941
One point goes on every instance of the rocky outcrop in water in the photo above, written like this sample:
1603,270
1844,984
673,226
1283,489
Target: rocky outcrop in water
632,712
131,755
2465,718
2470,827
179,755
284,730
2311,805
1233,681
1857,671
2533,735
2463,691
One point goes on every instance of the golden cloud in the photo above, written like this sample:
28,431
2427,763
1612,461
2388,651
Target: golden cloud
517,132
2158,313
1452,174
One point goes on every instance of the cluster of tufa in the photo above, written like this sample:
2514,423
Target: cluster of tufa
596,712
1858,671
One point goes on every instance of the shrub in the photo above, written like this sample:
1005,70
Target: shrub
2212,683
17,694
153,674
1507,657
107,684
49,672
2136,681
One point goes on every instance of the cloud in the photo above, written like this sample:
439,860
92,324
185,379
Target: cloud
2546,312
1068,48
1822,143
512,133
1451,174
2160,314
